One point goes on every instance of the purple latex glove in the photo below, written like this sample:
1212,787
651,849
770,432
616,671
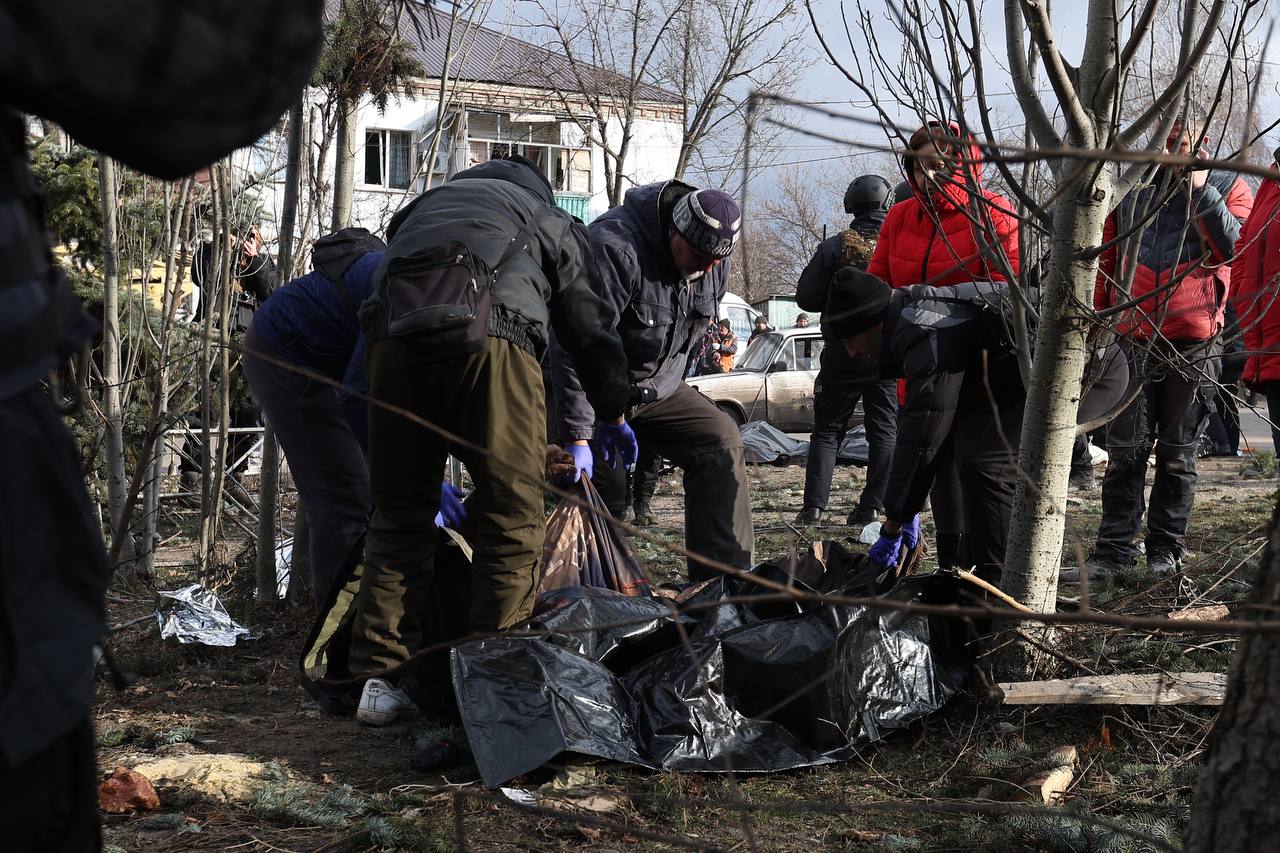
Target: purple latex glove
583,461
452,513
617,442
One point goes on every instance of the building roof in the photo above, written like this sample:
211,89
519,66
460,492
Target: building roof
490,56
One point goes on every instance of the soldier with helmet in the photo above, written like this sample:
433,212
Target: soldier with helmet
844,379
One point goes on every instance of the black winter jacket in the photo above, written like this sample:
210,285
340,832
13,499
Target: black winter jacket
811,295
934,337
166,88
553,284
659,316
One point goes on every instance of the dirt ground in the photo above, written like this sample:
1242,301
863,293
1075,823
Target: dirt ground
325,783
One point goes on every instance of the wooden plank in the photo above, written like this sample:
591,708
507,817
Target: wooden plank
1179,688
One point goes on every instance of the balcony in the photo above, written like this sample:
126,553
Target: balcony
577,204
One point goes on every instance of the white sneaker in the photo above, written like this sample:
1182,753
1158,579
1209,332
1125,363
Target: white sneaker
381,704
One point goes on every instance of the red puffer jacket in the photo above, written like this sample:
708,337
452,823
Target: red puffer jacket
1255,279
1188,240
935,240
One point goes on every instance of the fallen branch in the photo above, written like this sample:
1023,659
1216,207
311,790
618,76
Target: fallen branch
994,590
1177,688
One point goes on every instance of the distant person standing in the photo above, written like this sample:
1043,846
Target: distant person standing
761,327
1182,226
802,321
1255,273
844,379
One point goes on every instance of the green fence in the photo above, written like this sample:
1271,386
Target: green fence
575,203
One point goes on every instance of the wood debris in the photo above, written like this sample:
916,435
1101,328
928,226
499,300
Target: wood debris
1176,688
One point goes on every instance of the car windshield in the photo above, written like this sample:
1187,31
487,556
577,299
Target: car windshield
760,353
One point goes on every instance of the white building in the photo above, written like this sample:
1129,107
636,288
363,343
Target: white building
493,110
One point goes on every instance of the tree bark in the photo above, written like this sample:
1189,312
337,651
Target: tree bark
112,402
344,169
269,482
1034,548
1236,806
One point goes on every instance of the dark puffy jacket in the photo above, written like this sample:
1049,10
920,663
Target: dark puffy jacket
932,337
814,287
659,316
257,279
1190,240
932,239
311,322
553,284
178,87
1255,273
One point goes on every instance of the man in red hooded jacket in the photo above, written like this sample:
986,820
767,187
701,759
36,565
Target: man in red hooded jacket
1255,275
1174,283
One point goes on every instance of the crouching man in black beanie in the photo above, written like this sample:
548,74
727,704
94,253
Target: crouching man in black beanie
964,398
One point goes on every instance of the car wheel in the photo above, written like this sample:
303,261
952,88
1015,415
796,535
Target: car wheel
733,412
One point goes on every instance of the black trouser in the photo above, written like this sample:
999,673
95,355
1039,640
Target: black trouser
1271,390
644,480
834,400
50,802
1224,420
705,443
1081,461
1170,413
325,459
984,451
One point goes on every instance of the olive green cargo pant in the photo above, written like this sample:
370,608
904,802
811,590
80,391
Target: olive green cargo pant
493,399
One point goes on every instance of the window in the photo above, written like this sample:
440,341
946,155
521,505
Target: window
808,353
491,136
760,354
388,158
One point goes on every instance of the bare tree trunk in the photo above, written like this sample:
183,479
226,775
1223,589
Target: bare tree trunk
1034,549
1236,807
112,403
344,164
269,482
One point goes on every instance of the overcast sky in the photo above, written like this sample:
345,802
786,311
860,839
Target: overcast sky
824,84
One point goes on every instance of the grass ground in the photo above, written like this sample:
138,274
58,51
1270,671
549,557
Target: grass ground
332,785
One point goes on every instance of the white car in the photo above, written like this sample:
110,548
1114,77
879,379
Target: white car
772,381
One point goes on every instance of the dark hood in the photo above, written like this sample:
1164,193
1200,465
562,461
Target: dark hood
502,170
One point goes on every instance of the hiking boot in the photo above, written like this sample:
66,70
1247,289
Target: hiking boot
381,704
863,515
628,515
810,516
1081,481
1163,563
1099,567
643,516
440,755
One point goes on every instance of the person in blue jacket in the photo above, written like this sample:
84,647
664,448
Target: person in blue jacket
310,323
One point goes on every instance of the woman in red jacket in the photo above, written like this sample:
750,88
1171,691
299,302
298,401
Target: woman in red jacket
950,230
1255,279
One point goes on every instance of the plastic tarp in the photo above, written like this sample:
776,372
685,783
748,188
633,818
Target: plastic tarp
765,444
725,677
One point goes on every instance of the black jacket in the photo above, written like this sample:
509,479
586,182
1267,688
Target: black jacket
257,278
811,295
659,316
934,338
166,88
554,284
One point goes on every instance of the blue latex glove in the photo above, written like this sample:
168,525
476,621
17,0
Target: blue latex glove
617,442
452,513
911,532
583,462
885,551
